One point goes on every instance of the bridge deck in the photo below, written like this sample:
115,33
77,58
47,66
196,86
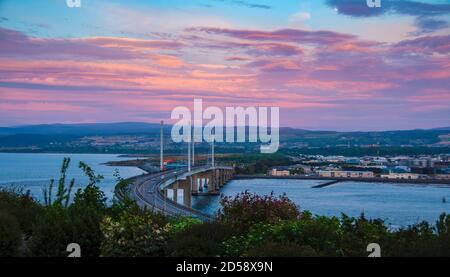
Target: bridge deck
146,191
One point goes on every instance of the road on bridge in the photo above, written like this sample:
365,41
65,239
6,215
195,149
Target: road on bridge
145,190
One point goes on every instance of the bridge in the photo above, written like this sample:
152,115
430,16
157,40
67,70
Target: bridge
169,192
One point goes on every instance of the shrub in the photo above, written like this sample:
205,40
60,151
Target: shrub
245,210
443,232
281,249
21,206
52,233
134,235
10,235
86,214
182,224
357,233
417,240
199,240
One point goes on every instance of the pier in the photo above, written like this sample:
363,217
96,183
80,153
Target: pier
326,184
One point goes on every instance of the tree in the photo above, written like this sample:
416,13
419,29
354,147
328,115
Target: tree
10,235
63,193
246,209
135,235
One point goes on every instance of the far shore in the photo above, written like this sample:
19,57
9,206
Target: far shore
368,180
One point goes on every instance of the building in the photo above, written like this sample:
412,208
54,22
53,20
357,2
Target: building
279,172
345,174
353,160
305,169
408,176
442,176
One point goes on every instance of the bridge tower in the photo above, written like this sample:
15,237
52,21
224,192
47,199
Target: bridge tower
161,150
189,147
212,149
193,147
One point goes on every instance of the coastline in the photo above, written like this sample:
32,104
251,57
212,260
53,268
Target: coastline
366,180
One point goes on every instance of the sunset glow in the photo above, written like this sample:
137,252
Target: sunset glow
326,64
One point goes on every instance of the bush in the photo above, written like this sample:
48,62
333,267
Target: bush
21,206
10,235
357,233
280,249
135,235
52,233
183,223
86,213
245,210
199,240
321,233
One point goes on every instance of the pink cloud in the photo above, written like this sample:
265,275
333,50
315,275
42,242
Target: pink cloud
332,75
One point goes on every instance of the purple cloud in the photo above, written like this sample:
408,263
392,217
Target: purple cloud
246,4
16,43
428,44
359,8
428,25
284,35
423,11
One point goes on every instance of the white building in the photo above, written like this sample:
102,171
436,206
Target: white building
409,176
345,174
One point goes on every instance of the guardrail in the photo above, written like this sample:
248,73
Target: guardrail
168,178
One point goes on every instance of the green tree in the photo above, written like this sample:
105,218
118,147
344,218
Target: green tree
135,235
10,235
246,209
63,193
200,240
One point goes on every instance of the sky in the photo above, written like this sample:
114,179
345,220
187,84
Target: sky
328,64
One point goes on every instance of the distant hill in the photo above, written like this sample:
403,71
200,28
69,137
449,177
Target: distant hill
101,129
62,137
442,129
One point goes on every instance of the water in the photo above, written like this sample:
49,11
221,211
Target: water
398,204
34,171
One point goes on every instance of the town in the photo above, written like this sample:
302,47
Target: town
408,167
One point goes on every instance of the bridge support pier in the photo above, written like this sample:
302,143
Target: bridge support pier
201,183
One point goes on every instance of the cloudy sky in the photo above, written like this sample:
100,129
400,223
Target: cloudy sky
328,64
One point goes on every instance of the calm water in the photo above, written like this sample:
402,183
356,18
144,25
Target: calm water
33,171
399,205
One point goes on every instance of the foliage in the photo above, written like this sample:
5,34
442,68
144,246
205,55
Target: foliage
86,213
52,233
258,163
10,235
326,236
63,193
135,235
60,223
281,249
246,209
421,240
199,240
357,233
248,226
21,206
183,223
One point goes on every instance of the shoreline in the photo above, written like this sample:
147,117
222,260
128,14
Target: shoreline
366,180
